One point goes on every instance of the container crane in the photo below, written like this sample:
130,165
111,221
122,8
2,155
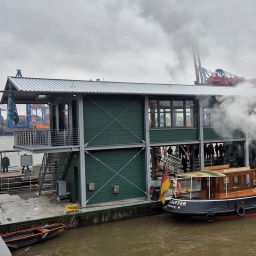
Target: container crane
218,77
2,108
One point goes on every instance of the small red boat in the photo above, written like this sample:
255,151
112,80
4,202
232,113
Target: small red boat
17,239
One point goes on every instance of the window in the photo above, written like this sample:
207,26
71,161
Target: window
206,117
189,113
152,112
236,181
63,116
171,113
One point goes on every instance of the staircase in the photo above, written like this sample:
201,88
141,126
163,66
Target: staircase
53,168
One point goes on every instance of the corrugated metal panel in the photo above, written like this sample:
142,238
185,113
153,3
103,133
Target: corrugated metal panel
77,86
98,173
210,134
100,113
173,135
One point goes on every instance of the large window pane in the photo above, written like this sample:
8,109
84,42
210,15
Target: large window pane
189,118
206,117
152,120
152,111
178,117
164,103
177,103
165,118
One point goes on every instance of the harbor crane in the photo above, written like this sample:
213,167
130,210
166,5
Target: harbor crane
218,77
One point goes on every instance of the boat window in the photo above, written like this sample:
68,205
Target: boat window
217,184
236,181
226,183
246,180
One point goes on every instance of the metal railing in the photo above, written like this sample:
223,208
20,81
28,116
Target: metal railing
18,183
48,138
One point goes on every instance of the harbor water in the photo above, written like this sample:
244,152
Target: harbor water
158,235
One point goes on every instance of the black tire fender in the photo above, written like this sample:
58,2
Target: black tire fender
210,216
240,210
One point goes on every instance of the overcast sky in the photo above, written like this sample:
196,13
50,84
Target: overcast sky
126,40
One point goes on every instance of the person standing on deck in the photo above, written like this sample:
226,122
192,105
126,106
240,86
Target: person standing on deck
184,163
5,163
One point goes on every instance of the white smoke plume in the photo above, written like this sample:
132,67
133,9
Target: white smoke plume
235,113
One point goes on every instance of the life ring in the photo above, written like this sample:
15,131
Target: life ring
179,189
240,210
210,216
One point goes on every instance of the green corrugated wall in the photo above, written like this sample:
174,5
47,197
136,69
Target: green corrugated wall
173,135
101,168
210,134
101,128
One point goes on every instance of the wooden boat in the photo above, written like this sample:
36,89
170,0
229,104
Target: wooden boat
223,194
17,239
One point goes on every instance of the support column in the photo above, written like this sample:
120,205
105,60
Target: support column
147,143
246,150
201,133
82,152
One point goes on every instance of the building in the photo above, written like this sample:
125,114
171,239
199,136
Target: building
104,136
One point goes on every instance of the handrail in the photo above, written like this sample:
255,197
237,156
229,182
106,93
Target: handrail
18,183
45,137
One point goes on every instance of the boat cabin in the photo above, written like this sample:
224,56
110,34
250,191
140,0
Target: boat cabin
237,182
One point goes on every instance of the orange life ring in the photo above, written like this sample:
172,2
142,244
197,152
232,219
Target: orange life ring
179,188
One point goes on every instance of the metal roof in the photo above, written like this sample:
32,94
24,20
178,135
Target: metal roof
28,89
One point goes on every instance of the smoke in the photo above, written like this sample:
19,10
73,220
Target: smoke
232,114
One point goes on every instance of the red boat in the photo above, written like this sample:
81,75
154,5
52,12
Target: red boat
17,239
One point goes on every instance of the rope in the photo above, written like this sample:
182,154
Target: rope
71,221
116,173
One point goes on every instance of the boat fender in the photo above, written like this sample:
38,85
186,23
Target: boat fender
179,188
240,210
44,235
210,216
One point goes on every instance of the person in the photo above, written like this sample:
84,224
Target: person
170,151
5,163
211,151
217,150
24,166
221,149
184,163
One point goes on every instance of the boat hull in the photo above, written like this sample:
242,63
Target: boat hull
18,239
213,208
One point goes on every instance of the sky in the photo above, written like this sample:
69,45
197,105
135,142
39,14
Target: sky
146,41
126,41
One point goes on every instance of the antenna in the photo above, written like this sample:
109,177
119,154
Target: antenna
18,73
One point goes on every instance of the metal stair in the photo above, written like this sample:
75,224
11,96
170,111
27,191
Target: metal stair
53,168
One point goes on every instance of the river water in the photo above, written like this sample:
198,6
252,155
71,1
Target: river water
158,235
